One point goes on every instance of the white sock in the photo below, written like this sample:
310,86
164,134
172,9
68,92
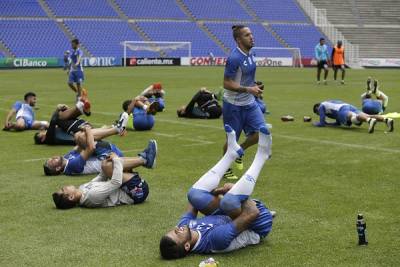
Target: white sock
245,185
381,95
79,105
210,180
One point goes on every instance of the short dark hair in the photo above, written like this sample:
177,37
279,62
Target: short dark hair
316,107
236,31
126,104
62,201
170,250
321,39
48,171
29,94
37,139
75,41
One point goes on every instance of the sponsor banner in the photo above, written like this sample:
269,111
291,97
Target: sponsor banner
140,61
29,62
204,61
274,61
380,62
99,62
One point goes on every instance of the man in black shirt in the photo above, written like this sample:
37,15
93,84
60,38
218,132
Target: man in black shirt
204,105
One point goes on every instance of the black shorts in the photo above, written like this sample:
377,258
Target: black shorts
322,63
71,126
337,67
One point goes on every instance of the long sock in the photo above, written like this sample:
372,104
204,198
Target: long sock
383,97
210,180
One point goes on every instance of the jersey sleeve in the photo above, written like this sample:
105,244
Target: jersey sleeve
17,105
321,111
231,67
186,218
222,236
316,52
75,165
80,53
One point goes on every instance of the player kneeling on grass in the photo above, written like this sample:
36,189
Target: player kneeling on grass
231,222
346,114
24,115
112,187
155,93
374,106
204,105
142,111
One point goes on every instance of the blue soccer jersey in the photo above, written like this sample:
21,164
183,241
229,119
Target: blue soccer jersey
241,68
75,163
24,111
337,110
321,52
74,59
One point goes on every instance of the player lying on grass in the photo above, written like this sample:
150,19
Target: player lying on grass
142,111
65,125
155,93
231,222
86,158
346,114
112,187
374,106
204,105
24,115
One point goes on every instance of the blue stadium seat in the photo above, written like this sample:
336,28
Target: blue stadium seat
19,8
81,8
277,10
151,9
217,9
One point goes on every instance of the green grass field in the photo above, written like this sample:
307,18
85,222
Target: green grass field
317,181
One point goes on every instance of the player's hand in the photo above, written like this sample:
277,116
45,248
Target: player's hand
111,156
223,190
255,90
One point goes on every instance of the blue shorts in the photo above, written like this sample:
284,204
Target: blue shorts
372,107
141,120
76,77
262,105
28,121
160,102
343,114
248,118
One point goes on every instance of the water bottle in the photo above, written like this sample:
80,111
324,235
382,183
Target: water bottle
361,230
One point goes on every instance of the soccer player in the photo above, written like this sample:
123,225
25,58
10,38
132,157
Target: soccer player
24,115
108,189
86,157
65,127
142,111
231,222
346,114
240,109
204,105
374,106
338,60
76,70
155,93
322,57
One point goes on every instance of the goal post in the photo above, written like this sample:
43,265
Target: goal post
159,49
282,53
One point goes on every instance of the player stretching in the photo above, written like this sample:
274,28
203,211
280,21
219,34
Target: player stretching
346,114
76,70
338,60
322,56
240,109
374,106
231,222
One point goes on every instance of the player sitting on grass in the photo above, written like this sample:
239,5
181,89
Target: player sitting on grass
86,157
346,114
112,187
155,93
65,125
204,105
231,222
142,111
24,115
374,106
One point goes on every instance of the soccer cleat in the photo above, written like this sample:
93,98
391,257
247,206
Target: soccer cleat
83,106
239,163
273,213
390,124
150,154
371,123
230,175
342,82
152,108
318,82
375,86
369,80
325,82
121,123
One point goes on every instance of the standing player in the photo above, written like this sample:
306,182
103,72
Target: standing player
240,109
322,57
24,115
76,70
338,60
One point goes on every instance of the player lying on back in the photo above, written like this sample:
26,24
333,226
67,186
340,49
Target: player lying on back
142,111
231,222
155,93
112,187
374,106
204,105
65,125
86,157
24,115
346,115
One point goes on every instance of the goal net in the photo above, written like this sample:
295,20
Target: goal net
278,56
155,49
